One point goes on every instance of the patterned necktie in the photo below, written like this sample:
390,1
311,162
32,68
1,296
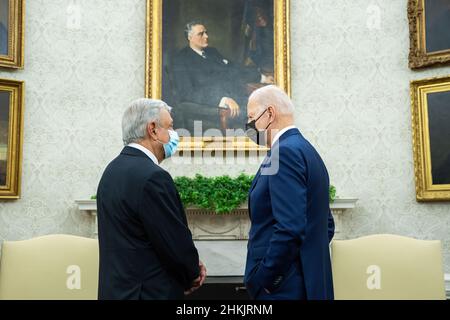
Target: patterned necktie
203,54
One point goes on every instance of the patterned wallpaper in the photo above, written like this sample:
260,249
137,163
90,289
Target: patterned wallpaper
350,78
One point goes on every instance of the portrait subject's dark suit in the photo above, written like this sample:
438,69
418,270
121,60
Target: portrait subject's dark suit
291,225
3,40
146,248
200,84
437,34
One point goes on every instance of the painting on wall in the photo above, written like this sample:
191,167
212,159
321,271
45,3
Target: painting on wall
11,33
11,136
431,138
204,58
429,24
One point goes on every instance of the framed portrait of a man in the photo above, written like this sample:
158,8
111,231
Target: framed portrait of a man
11,136
205,57
11,33
431,138
429,24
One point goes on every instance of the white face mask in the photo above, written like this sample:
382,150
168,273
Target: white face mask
170,148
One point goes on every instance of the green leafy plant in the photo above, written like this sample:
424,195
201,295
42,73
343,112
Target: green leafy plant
222,194
332,193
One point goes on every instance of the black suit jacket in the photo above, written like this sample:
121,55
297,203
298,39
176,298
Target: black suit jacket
207,81
146,248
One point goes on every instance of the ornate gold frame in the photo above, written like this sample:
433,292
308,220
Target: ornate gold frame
425,189
15,139
153,71
418,56
15,57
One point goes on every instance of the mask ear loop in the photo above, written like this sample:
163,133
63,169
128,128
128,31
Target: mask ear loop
154,131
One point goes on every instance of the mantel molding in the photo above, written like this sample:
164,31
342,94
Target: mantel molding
90,206
338,207
234,226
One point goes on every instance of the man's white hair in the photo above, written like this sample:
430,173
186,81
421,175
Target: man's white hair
138,115
272,96
190,26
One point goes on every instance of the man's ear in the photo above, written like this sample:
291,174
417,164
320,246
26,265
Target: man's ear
151,130
272,112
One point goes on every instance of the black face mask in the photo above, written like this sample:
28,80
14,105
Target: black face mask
257,136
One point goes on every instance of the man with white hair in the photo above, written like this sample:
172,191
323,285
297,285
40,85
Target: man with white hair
288,249
210,87
146,248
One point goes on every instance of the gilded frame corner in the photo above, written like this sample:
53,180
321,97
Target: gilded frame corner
16,27
425,189
418,55
12,188
153,70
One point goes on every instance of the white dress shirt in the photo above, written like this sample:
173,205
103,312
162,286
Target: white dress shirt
281,132
144,150
199,52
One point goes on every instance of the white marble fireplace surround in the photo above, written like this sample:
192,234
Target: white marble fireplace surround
225,259
215,227
224,248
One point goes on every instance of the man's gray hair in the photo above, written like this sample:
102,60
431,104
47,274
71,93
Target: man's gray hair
138,115
189,26
273,96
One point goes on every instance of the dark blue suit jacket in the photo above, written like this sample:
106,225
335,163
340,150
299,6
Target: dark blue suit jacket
213,76
146,248
292,225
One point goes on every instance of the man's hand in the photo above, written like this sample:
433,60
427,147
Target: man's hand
267,79
233,106
203,272
198,282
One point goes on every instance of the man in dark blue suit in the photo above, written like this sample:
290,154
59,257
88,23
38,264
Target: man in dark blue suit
208,86
288,250
146,248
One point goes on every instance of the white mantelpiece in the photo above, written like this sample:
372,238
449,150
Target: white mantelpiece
339,207
447,285
237,230
217,254
89,207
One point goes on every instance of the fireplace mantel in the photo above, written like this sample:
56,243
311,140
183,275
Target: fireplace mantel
225,227
225,259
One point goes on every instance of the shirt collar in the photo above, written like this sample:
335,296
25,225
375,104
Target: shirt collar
281,132
144,150
199,52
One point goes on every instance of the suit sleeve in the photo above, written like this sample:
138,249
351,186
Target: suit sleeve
331,226
187,78
165,224
290,216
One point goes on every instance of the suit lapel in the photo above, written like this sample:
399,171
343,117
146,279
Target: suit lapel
258,174
267,161
255,180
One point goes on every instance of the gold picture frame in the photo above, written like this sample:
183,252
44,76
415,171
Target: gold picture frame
11,137
154,72
430,103
12,37
420,54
